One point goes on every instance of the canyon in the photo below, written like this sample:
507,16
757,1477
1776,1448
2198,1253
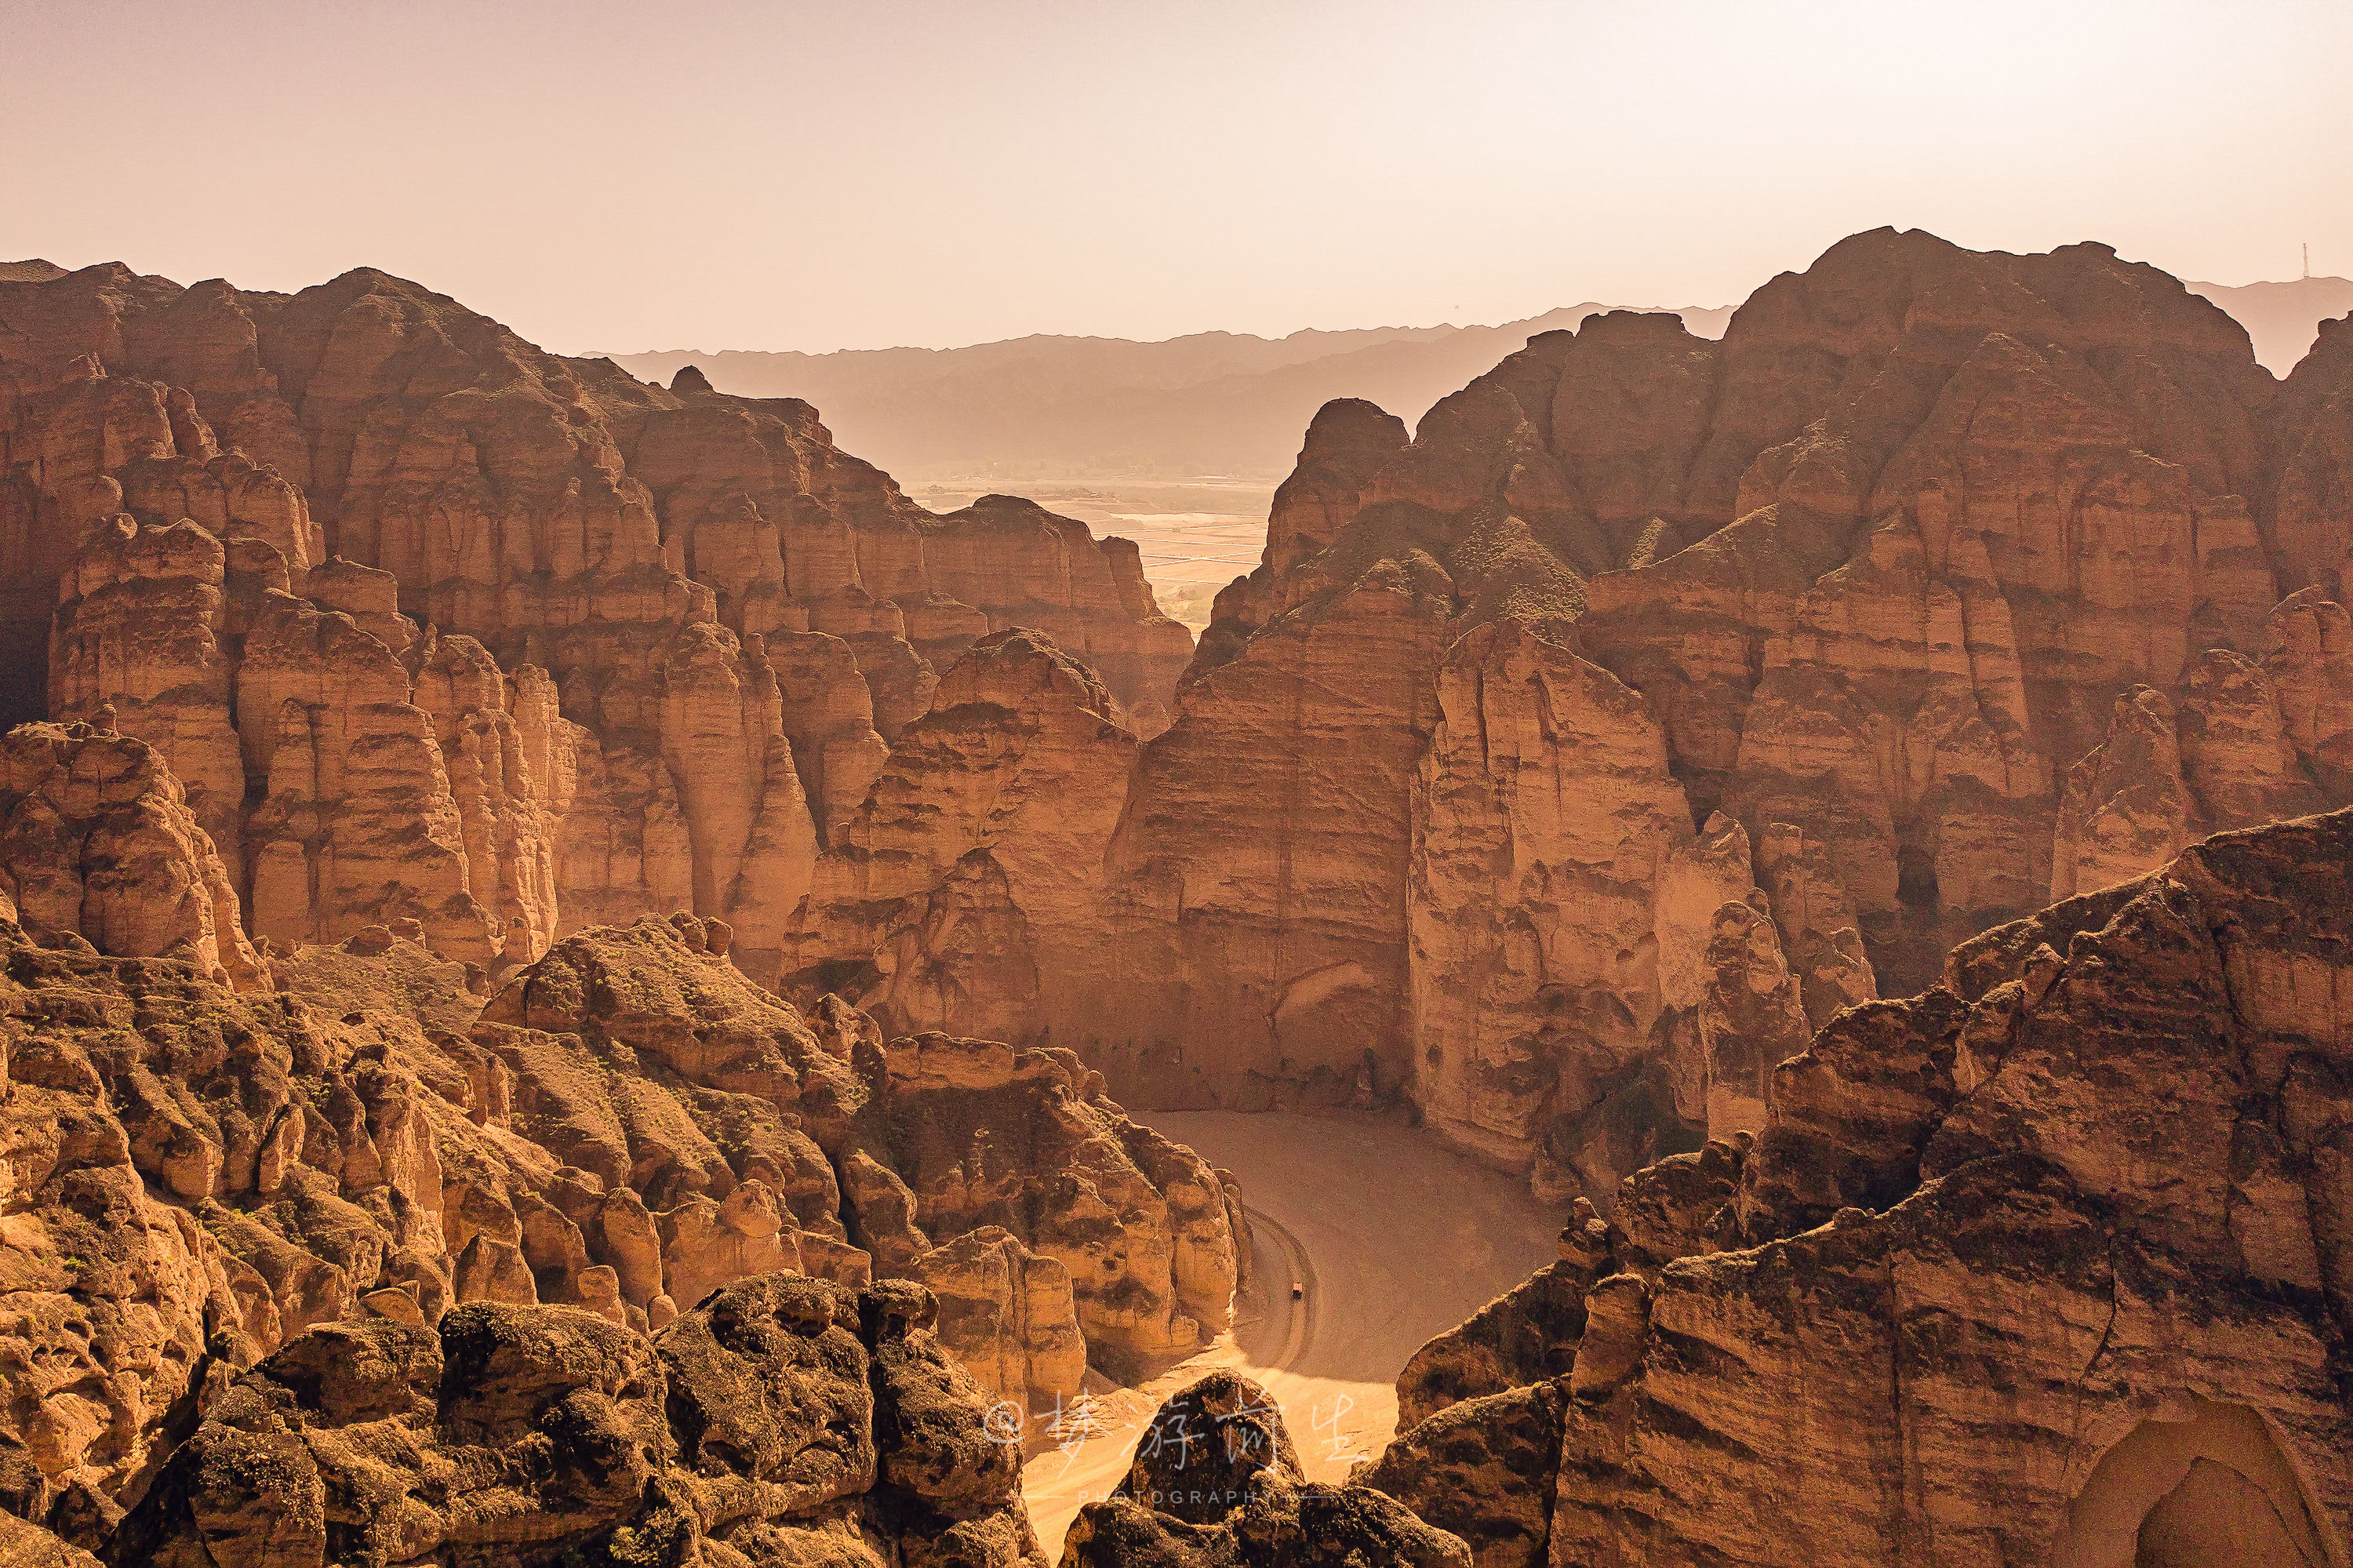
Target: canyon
587,981
1566,762
2046,1264
430,624
1562,764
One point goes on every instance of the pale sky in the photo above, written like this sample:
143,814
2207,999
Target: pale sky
816,177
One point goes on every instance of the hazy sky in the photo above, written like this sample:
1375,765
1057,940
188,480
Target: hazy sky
786,176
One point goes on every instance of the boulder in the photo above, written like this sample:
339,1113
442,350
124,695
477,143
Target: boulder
1215,1481
784,1416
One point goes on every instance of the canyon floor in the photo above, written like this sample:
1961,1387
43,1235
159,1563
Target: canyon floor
1393,1238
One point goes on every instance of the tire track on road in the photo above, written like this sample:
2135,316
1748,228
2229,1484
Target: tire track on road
1299,1323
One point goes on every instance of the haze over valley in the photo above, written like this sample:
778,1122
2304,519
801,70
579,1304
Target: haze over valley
1712,937
1045,410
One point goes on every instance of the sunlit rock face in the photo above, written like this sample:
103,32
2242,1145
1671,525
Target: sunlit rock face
1942,585
216,1145
964,896
433,625
96,842
394,672
1560,768
1050,1226
784,1420
2048,1263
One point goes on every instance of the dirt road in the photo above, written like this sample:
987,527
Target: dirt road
1390,1237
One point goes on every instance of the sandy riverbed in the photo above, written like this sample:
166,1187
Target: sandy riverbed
1394,1238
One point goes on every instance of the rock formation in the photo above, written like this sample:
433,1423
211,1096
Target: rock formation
96,842
1216,1482
215,1145
784,1420
2312,484
440,744
2053,1263
432,625
738,1139
1558,770
965,894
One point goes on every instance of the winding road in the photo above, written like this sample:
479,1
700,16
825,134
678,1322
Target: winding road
1284,1321
1391,1236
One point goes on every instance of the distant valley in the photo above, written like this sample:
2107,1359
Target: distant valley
2282,318
1048,408
1044,413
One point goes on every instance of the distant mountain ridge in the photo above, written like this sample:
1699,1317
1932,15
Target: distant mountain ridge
1038,407
1048,407
2282,318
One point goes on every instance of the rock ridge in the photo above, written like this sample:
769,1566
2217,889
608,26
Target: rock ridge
1561,767
2070,1230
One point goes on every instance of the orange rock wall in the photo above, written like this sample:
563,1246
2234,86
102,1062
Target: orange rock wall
433,625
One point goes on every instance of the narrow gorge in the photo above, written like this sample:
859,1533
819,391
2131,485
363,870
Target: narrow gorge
588,984
1561,767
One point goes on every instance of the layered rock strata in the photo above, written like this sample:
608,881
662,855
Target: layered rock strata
433,625
1559,769
1052,1228
198,1174
963,894
2048,1263
96,842
1951,582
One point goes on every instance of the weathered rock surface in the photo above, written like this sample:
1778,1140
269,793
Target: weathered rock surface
2045,1264
1560,769
2219,754
965,894
433,625
784,1420
24,1545
2312,499
1023,566
1467,1472
193,1175
1051,1227
1578,772
198,1174
96,841
1215,1482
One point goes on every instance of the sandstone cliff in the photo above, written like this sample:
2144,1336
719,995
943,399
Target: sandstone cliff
1559,769
2049,1264
196,1174
1556,772
96,842
965,892
433,625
